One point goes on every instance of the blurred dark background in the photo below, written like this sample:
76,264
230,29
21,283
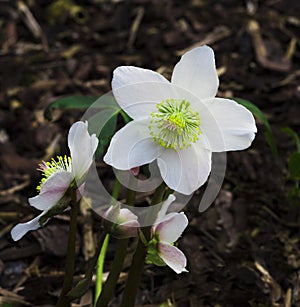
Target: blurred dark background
244,251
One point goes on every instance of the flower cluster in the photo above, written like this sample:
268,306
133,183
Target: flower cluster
179,123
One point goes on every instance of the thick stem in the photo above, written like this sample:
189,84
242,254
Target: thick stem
63,300
117,265
135,273
84,285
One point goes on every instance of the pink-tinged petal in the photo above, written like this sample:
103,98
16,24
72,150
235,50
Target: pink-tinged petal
129,224
173,257
171,229
227,125
126,216
82,147
132,146
185,170
52,190
196,72
164,208
135,171
21,229
125,222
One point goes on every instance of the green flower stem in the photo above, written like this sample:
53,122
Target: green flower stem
63,300
116,190
100,264
117,265
102,254
135,273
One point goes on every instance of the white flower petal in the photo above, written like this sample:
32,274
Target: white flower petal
132,146
164,208
227,125
52,190
82,147
171,229
129,227
127,217
196,72
128,75
21,229
185,170
173,257
139,100
137,90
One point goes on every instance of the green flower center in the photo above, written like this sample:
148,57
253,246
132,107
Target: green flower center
49,168
174,125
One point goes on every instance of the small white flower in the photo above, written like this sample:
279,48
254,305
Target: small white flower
61,174
166,230
124,223
179,123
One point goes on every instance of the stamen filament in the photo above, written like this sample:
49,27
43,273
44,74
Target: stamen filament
49,168
174,125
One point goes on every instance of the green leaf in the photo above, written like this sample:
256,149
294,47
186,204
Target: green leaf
294,165
106,101
69,102
81,287
153,254
260,115
294,135
126,118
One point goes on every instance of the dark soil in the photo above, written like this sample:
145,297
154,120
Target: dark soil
243,251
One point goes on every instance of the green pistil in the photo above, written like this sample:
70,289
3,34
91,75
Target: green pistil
49,168
174,125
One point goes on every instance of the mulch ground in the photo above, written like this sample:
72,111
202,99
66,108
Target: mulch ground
243,251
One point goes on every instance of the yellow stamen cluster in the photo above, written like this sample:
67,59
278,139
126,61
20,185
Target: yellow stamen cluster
49,168
174,125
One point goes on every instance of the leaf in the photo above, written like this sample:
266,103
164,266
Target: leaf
69,102
294,135
260,115
126,118
294,165
81,287
153,254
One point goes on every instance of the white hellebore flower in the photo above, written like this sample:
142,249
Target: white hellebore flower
124,223
179,123
166,230
60,175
